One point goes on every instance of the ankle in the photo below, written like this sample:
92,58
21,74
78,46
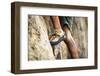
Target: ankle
59,32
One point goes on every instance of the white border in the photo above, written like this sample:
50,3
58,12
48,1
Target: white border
24,64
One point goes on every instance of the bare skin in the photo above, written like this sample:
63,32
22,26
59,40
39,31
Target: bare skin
73,49
56,23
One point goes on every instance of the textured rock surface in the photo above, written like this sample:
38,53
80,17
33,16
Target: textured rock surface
80,34
39,48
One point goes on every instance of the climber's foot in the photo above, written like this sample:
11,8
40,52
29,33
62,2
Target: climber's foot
56,38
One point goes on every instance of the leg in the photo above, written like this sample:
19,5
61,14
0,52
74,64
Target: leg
59,34
73,49
56,24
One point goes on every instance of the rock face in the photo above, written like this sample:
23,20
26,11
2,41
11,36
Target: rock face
80,34
39,48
